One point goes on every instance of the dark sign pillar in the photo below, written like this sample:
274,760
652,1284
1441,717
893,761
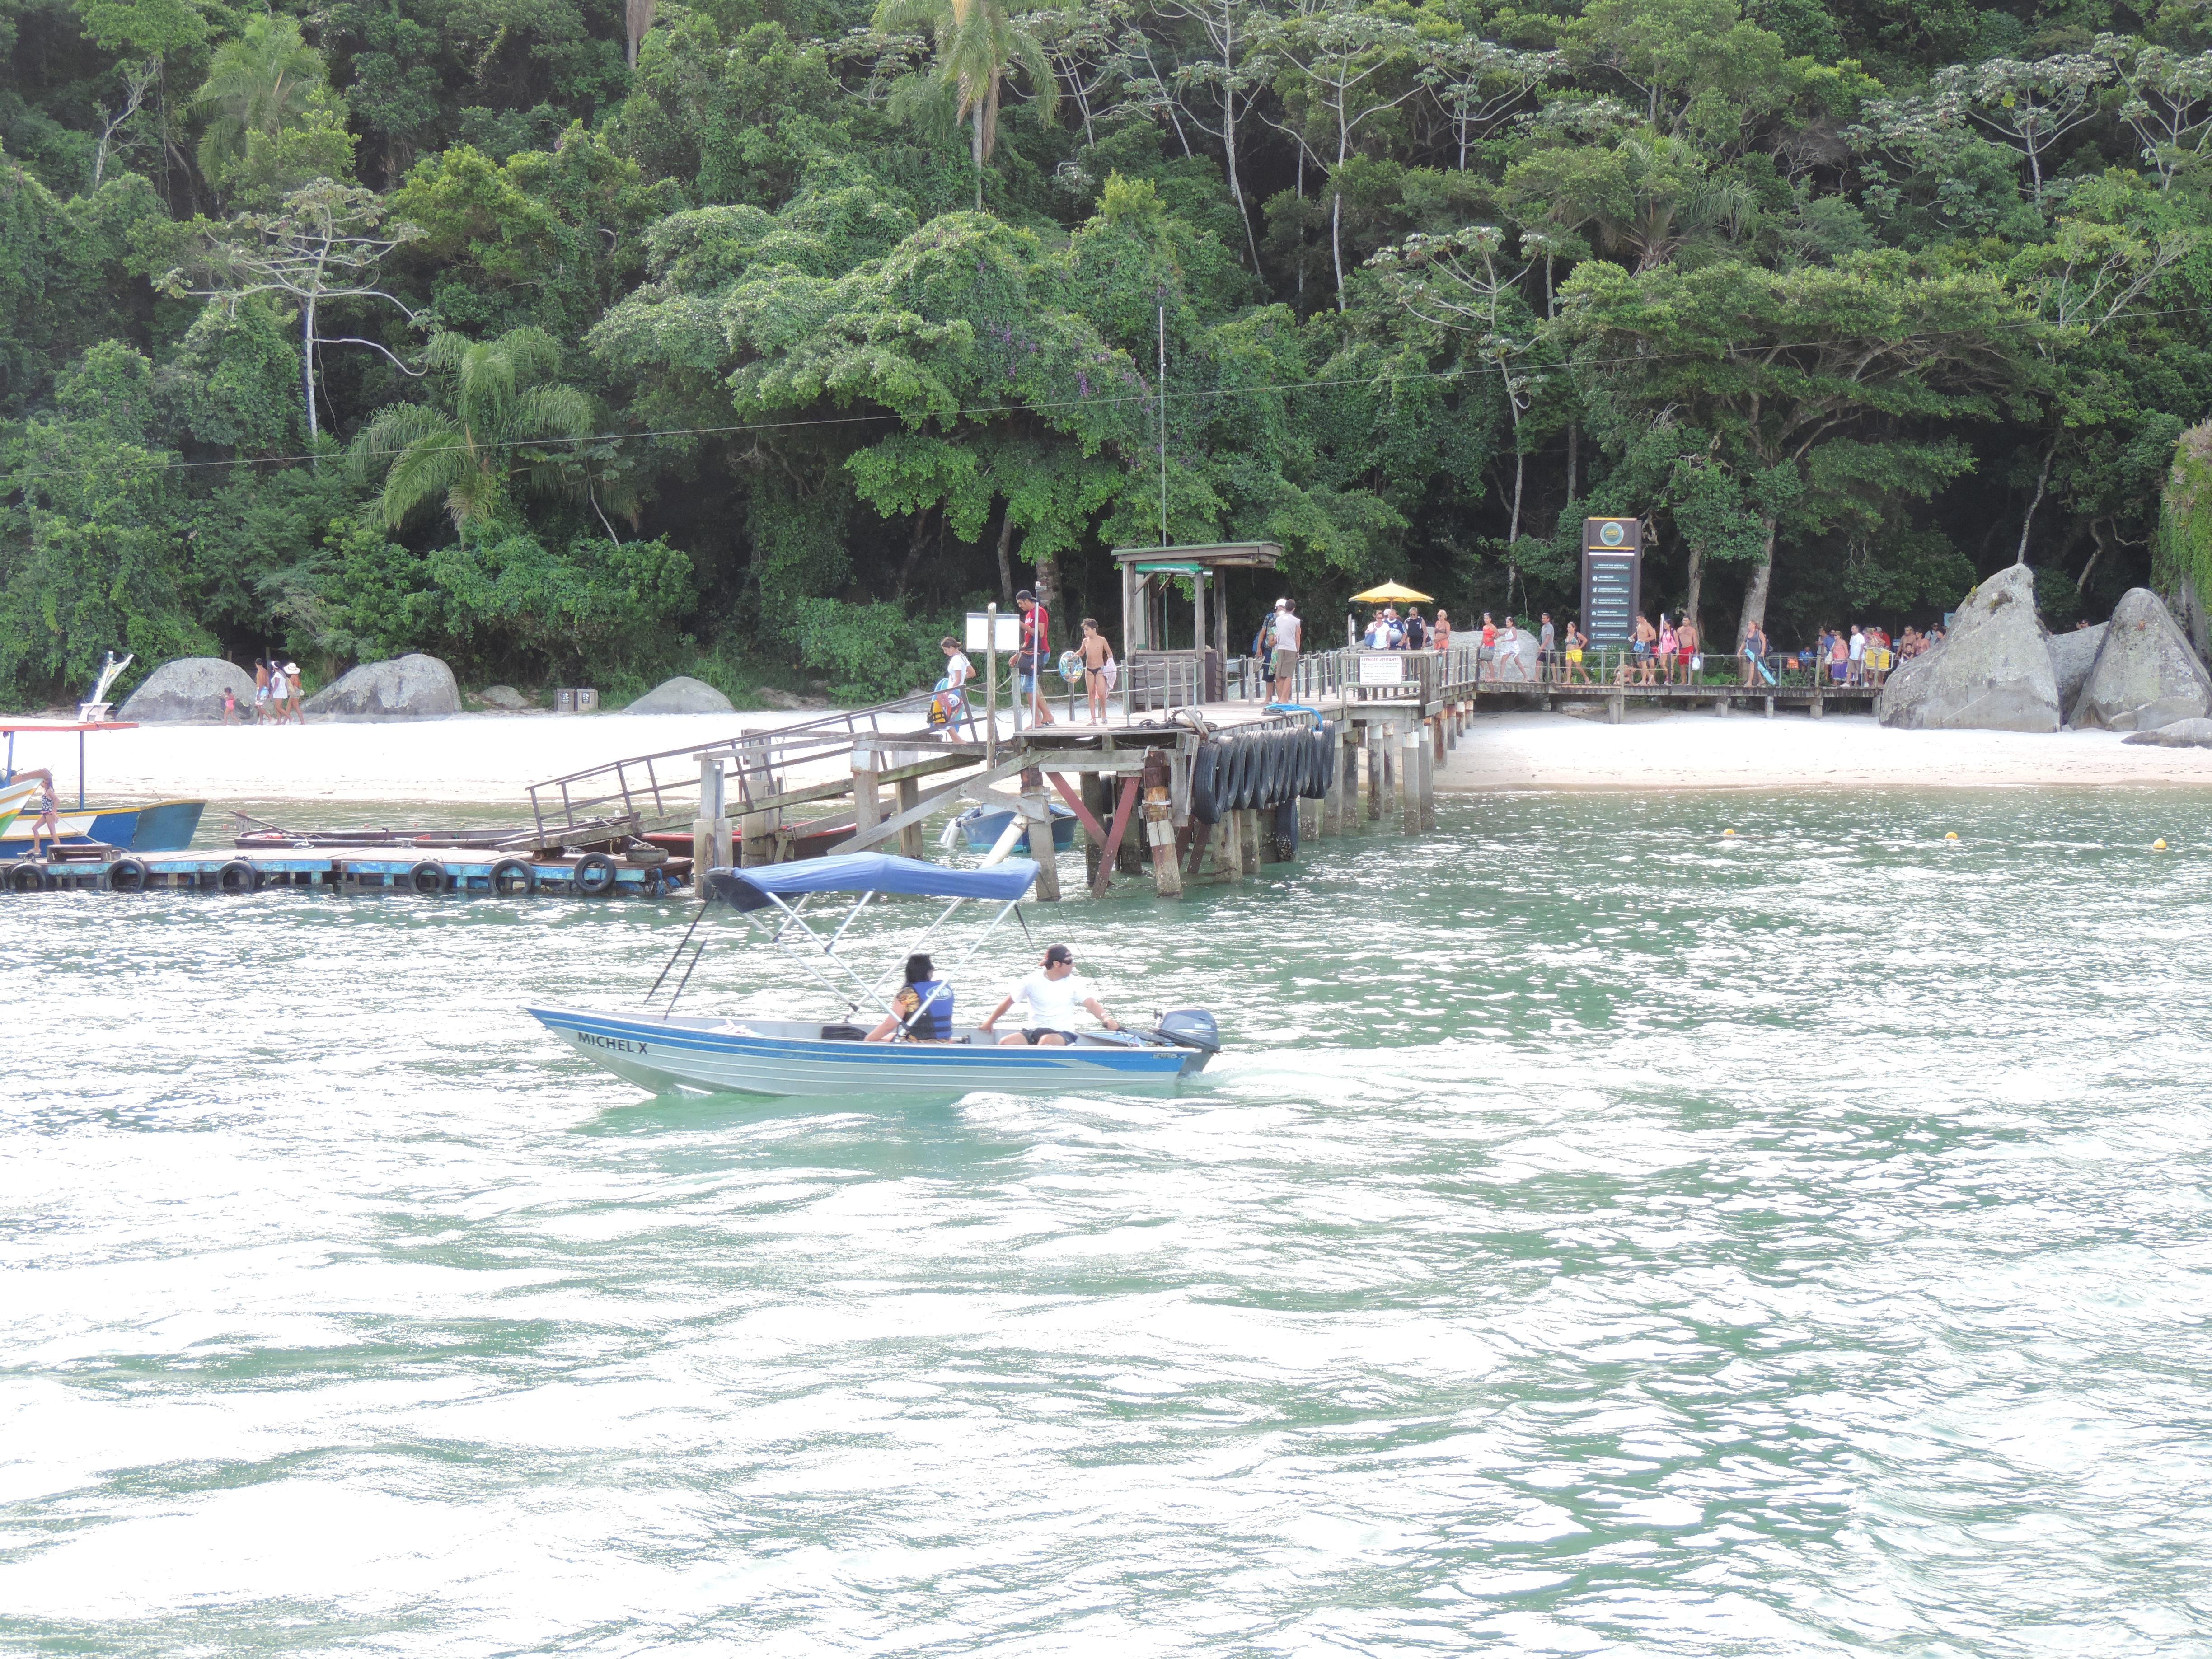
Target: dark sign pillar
1612,580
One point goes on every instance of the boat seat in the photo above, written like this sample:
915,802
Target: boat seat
844,1034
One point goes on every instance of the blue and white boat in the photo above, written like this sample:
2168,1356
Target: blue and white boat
705,1053
981,826
159,826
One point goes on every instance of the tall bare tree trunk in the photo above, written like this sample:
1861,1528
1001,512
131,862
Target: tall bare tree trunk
2027,519
1006,563
979,155
1755,590
1697,590
638,16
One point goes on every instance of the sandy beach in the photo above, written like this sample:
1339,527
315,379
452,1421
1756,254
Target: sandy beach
1699,750
490,759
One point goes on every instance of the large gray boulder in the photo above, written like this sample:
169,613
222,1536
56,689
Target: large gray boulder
189,692
2146,676
2072,655
409,688
682,695
1992,673
2182,734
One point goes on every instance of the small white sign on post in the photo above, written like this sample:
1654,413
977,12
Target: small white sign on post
1381,668
979,631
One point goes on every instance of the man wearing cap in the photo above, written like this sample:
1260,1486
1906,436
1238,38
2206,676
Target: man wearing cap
1053,994
1289,633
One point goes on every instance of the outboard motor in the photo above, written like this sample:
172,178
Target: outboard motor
1194,1028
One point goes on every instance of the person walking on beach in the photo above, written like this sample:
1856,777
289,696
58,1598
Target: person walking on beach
230,707
260,691
1036,646
292,680
1097,657
280,693
1290,632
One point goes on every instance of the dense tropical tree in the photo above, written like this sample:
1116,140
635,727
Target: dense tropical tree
979,44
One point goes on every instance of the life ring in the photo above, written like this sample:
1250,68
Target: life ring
595,875
1203,765
508,871
428,876
28,877
126,876
238,876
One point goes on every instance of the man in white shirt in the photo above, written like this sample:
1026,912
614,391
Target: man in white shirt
1053,994
1858,656
1289,631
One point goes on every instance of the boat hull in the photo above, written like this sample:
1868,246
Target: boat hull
980,830
162,826
694,1054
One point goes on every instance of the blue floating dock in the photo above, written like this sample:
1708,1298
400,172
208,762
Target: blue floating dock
430,871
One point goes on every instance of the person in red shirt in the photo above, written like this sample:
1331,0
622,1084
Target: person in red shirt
1487,659
1037,647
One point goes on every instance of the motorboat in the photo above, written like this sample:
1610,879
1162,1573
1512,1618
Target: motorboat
713,1054
980,826
161,826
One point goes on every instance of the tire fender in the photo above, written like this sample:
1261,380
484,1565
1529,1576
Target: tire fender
126,876
508,871
428,876
1204,766
25,876
595,875
238,876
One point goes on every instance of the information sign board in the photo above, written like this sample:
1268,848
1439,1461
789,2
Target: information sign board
1612,580
979,631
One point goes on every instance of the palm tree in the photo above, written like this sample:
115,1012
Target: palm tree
978,44
507,412
258,82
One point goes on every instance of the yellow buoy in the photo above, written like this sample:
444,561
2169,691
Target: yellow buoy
2159,846
1950,835
1730,832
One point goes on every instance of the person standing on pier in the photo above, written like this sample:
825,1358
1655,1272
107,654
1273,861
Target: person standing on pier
1666,650
1754,654
1440,635
1417,629
958,671
1290,633
1646,642
49,824
1098,656
1685,646
1036,646
1576,640
1546,640
1485,655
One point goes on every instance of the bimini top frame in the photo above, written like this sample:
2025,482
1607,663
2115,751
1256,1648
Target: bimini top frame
765,888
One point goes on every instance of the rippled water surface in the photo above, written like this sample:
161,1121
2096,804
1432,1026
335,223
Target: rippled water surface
1604,1238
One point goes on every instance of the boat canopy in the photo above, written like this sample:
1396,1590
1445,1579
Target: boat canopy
868,872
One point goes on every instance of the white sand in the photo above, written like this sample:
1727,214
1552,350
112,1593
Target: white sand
489,759
1701,751
475,758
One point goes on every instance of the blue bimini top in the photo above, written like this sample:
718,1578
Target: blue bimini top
867,872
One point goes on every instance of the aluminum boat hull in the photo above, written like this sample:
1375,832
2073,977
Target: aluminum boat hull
697,1055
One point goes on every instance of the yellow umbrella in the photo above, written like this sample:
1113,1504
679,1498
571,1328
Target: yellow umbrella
1389,594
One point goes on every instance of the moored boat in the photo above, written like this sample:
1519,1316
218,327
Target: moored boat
162,826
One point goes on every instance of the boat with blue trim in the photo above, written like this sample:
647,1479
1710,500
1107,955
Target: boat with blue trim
699,1053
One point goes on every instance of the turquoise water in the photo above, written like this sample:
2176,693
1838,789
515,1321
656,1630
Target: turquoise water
1604,1238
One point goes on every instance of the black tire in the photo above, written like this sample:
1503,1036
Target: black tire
1316,749
428,876
595,875
1279,770
1331,750
126,876
1238,795
1204,766
238,876
27,877
512,878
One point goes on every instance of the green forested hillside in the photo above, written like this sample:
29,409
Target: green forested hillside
563,338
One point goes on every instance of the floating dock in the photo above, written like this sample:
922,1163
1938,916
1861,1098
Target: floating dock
430,872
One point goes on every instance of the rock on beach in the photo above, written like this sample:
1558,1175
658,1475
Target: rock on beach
2182,734
409,688
682,695
1992,672
189,692
2072,655
2145,675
